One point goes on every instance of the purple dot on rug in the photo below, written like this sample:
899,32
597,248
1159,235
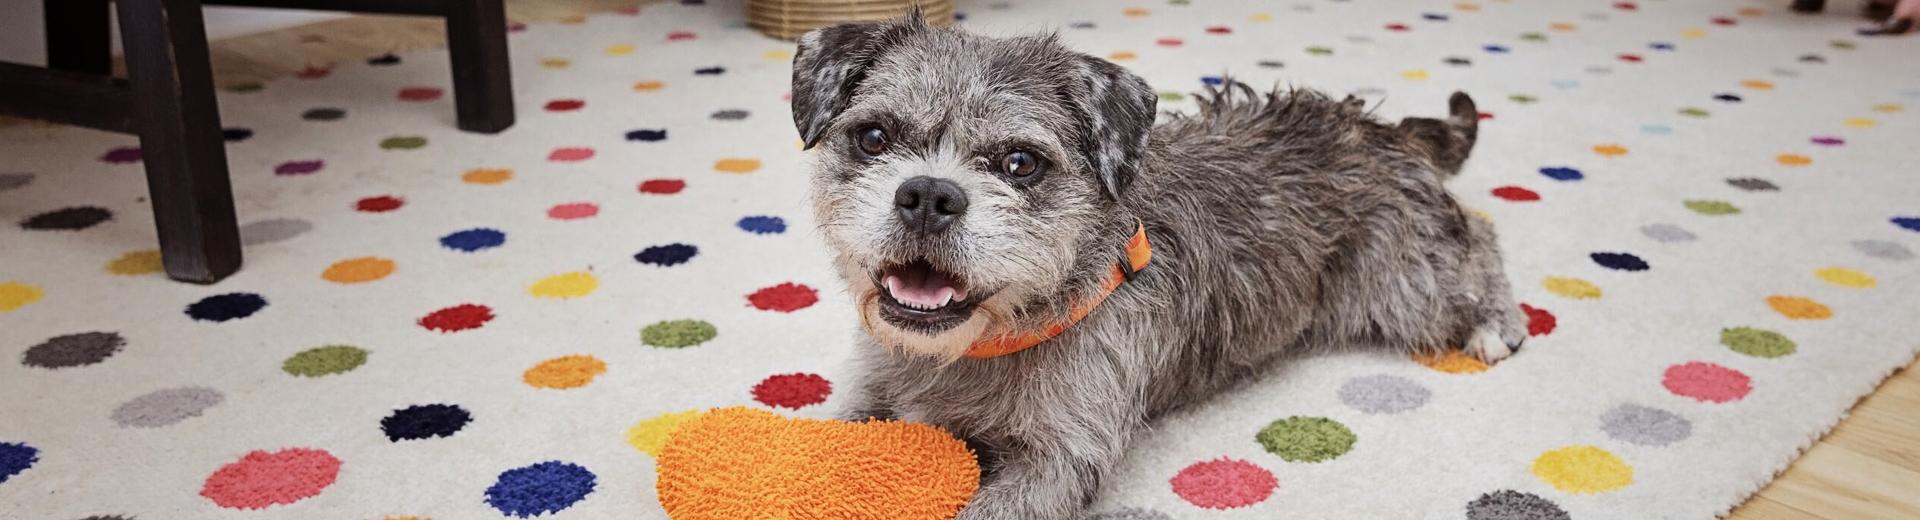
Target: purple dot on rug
298,167
666,255
424,421
647,135
475,239
763,224
225,307
1619,261
538,489
122,155
67,219
15,458
1827,140
14,181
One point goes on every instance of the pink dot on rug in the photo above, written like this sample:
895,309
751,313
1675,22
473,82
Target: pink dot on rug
262,479
1516,194
662,186
1169,42
1828,140
677,36
298,167
792,390
786,297
570,154
1707,382
421,93
1224,483
573,210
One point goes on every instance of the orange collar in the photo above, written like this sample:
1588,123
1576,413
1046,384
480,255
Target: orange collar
1139,254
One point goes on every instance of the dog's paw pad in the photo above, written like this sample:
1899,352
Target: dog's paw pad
1487,345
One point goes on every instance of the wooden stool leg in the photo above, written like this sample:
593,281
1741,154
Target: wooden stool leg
79,36
179,126
482,78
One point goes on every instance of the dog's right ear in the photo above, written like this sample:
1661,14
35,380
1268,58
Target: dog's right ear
830,64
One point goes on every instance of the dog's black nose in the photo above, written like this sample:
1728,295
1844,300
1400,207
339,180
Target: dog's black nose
929,205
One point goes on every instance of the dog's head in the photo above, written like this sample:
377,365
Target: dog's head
966,183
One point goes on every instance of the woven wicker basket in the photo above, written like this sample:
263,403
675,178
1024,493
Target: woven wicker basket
788,19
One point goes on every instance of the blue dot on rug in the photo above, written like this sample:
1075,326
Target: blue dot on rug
224,307
647,134
667,255
1910,223
1211,80
1495,49
539,489
763,225
424,421
475,239
1619,261
1562,173
15,458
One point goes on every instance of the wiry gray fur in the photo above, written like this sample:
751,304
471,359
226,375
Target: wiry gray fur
1281,223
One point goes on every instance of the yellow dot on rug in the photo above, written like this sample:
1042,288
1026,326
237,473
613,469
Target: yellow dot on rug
1861,122
619,49
778,54
1610,150
649,435
1582,469
1793,159
555,63
1574,288
1888,108
736,165
1845,277
1799,308
1261,17
565,285
1694,33
487,176
136,263
648,86
564,372
1562,26
358,270
1121,55
1451,362
1757,84
1415,75
14,295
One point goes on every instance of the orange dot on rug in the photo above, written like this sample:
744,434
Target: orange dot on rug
742,462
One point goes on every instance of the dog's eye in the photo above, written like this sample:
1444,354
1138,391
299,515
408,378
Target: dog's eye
1020,164
873,141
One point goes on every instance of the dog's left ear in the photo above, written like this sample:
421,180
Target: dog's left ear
1116,112
832,61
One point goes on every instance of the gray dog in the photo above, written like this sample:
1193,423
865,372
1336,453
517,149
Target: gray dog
982,195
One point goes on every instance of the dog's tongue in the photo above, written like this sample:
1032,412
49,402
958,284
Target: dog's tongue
922,287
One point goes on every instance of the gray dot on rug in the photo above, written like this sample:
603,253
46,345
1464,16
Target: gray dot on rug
730,115
273,230
166,407
73,350
1645,426
1667,233
1507,504
13,181
1883,250
1132,513
1383,394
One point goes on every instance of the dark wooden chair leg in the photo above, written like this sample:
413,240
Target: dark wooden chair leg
179,126
79,36
482,79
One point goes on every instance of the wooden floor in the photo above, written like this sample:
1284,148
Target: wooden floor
1867,468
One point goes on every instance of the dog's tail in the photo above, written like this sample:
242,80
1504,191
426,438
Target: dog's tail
1446,141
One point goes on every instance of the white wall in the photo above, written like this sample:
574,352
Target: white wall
23,38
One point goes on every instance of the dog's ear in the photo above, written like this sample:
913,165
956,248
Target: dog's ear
1116,112
832,61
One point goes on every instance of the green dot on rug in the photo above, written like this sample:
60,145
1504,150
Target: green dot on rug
677,333
1306,439
1756,342
325,361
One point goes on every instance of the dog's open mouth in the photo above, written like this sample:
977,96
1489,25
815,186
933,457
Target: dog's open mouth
918,296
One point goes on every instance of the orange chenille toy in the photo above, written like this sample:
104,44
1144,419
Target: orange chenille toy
735,463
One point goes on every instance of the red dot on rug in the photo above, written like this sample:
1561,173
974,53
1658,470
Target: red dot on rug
379,204
1224,483
1397,27
1630,58
457,318
572,211
420,93
1539,321
312,72
1516,194
792,390
1219,29
786,297
262,479
565,105
1707,382
570,154
662,186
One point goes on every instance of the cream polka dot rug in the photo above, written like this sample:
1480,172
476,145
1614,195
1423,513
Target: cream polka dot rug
1708,209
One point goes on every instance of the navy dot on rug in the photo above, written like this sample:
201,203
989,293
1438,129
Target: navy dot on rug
224,307
424,421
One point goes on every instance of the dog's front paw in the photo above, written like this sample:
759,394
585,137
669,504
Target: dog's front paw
1488,345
